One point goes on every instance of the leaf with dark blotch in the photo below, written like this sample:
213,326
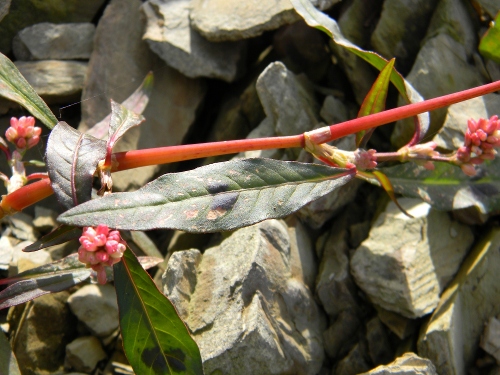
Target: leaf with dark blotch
489,46
62,234
321,21
447,187
14,86
72,158
136,103
374,101
217,197
8,362
155,339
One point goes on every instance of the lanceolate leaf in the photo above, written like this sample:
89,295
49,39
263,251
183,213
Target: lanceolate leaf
489,46
14,86
321,21
62,234
155,339
447,187
221,196
8,362
136,103
375,101
122,120
72,158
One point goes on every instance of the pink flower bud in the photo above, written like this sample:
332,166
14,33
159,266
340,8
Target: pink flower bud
23,133
468,169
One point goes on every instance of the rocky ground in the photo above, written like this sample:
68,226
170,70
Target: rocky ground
347,284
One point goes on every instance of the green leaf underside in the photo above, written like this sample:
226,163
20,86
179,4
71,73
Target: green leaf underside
321,21
136,103
155,339
62,234
49,278
8,362
489,46
217,197
374,101
14,86
447,187
72,158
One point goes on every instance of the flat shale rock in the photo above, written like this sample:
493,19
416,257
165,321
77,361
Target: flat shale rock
246,305
451,135
55,81
451,337
48,41
491,6
119,62
23,13
401,27
406,263
490,339
221,20
83,354
170,35
407,364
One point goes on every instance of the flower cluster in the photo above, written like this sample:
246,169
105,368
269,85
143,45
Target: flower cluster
418,151
481,139
100,248
23,132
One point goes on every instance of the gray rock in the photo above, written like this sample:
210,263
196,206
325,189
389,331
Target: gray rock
6,251
119,62
450,338
22,227
4,8
491,6
23,13
490,339
84,353
45,218
355,362
441,68
221,20
379,346
454,19
22,261
169,34
333,110
405,263
399,325
407,364
48,41
96,307
55,81
341,336
401,27
43,328
451,135
303,263
246,311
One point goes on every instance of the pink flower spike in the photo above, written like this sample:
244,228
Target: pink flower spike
468,169
102,256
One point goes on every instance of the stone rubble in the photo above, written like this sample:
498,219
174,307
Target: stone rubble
83,354
490,339
407,364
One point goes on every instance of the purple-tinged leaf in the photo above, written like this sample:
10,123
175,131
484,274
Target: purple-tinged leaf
8,362
216,197
62,234
375,101
321,21
72,159
14,86
155,339
447,187
136,103
489,46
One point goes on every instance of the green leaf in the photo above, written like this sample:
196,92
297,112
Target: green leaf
375,101
62,234
489,46
321,21
8,362
155,339
447,187
216,197
14,86
136,103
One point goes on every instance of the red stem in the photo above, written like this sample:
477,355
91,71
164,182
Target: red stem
26,196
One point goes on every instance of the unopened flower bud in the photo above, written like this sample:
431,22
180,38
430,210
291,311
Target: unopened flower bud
23,133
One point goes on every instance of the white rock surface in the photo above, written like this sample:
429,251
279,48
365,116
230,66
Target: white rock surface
490,340
407,364
22,261
245,303
451,136
450,338
406,263
55,81
49,41
170,35
84,353
96,307
220,20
